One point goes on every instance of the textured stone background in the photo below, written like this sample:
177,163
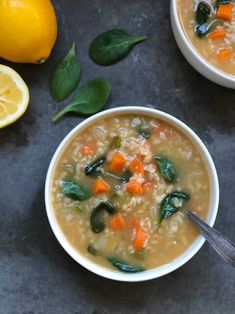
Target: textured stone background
36,275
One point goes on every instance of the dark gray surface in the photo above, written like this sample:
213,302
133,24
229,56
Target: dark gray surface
36,275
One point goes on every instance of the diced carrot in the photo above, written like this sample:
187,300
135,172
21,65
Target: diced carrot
140,239
134,188
117,222
147,186
117,163
100,187
136,166
224,53
219,33
225,12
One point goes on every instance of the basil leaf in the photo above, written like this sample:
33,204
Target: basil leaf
111,46
75,190
66,76
219,2
91,168
116,142
90,98
166,168
97,216
172,203
124,267
145,132
202,14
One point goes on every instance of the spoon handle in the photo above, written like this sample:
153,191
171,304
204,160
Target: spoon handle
223,246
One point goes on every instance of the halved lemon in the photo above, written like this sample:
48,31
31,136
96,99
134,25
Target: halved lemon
14,96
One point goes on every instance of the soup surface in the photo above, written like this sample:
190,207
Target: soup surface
210,26
119,190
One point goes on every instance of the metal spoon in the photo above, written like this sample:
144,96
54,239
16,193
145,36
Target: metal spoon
223,246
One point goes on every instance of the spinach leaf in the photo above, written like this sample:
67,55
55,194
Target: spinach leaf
111,46
66,76
166,168
92,250
97,216
127,174
90,98
202,14
172,203
91,169
219,2
145,132
75,191
116,142
124,267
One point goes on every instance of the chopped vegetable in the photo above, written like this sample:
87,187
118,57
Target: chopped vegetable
97,216
217,34
134,188
91,169
224,53
87,149
117,222
148,186
136,167
145,132
100,187
166,168
116,142
141,238
122,266
225,12
202,14
117,163
75,191
172,203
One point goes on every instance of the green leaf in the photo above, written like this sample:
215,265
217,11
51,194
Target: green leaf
91,98
202,14
111,46
166,168
91,169
219,2
116,142
66,76
172,203
145,132
124,267
75,191
97,216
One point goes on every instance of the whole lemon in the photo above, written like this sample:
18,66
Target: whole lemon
28,30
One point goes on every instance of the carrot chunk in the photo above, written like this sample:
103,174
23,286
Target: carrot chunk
224,53
87,150
134,188
118,162
140,239
136,166
220,33
100,187
117,222
225,12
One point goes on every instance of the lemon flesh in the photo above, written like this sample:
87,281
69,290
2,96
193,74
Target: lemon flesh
14,96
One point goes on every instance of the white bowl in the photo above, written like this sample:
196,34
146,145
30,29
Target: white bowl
194,57
153,273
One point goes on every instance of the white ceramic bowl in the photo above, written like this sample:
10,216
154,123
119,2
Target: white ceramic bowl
193,56
153,273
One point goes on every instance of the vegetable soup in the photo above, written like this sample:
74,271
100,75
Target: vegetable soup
120,188
210,26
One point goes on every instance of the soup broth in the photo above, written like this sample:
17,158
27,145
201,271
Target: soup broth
215,39
119,190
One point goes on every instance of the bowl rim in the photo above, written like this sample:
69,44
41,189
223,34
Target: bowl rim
152,273
194,52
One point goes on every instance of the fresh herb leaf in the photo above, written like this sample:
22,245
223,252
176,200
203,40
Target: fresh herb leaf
90,98
166,168
219,2
92,250
124,267
111,46
97,216
91,169
127,174
75,191
116,142
66,76
202,14
145,132
172,203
